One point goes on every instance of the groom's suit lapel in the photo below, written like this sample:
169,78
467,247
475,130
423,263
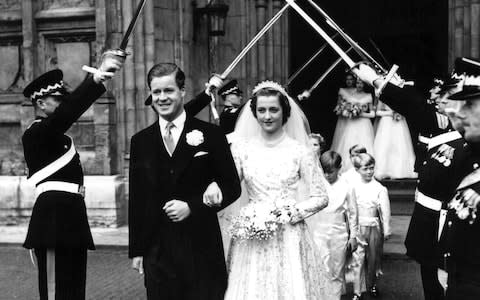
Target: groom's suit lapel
183,153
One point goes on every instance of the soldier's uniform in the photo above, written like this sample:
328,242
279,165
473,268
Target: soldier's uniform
463,247
462,234
447,160
58,230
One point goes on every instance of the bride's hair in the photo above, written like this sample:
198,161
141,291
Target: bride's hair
295,123
282,99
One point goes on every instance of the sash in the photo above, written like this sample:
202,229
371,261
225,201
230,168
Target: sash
54,166
443,138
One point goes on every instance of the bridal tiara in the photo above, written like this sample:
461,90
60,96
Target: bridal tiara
271,85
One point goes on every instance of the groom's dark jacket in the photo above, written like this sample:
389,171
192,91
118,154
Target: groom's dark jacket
191,250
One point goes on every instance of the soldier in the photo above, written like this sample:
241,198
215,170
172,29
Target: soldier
463,227
232,97
448,159
58,231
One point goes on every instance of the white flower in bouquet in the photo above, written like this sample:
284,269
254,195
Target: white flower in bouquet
260,220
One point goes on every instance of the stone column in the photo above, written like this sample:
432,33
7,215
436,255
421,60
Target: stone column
149,51
29,59
129,73
261,7
277,44
139,69
475,28
252,58
464,29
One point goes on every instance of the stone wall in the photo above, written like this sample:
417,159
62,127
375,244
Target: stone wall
104,199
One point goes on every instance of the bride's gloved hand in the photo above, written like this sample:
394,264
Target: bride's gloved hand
213,195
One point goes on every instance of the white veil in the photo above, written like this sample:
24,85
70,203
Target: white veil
247,127
296,126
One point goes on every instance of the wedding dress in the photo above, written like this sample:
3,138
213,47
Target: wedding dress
289,265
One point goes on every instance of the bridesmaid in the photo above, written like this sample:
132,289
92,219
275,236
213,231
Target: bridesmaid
354,126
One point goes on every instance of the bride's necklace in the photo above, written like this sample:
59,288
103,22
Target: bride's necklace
276,141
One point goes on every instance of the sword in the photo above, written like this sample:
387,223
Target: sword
379,52
330,69
363,54
121,50
320,31
242,54
291,78
244,51
337,49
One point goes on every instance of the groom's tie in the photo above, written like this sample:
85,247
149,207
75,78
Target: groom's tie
168,138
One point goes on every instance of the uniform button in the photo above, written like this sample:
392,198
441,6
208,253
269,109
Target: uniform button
475,166
66,146
424,163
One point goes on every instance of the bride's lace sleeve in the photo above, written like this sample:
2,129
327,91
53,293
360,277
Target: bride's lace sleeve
238,148
312,174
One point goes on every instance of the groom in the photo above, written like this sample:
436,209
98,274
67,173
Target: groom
173,236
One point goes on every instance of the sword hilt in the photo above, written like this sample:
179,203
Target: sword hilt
121,53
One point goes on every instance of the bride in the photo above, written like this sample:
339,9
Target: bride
272,156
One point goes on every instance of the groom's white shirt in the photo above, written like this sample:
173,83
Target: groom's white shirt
176,131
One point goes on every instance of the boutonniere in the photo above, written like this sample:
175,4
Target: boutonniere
195,137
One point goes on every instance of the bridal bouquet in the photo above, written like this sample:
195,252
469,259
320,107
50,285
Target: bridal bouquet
260,220
349,110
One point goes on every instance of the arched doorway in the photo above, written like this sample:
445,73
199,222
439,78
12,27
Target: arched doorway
410,33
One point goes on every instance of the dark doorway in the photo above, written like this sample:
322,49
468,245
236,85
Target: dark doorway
410,33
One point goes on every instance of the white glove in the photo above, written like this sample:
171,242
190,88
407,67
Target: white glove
304,95
215,82
366,74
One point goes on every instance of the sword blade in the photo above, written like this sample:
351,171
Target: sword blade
320,31
380,52
360,51
291,78
244,51
131,26
330,69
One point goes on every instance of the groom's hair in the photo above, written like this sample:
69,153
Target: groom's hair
165,69
272,92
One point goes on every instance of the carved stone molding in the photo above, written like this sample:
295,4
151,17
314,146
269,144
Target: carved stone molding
10,4
261,4
55,4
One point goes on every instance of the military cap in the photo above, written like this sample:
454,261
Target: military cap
230,88
47,84
468,71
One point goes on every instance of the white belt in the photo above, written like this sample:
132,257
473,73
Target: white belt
60,186
428,202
